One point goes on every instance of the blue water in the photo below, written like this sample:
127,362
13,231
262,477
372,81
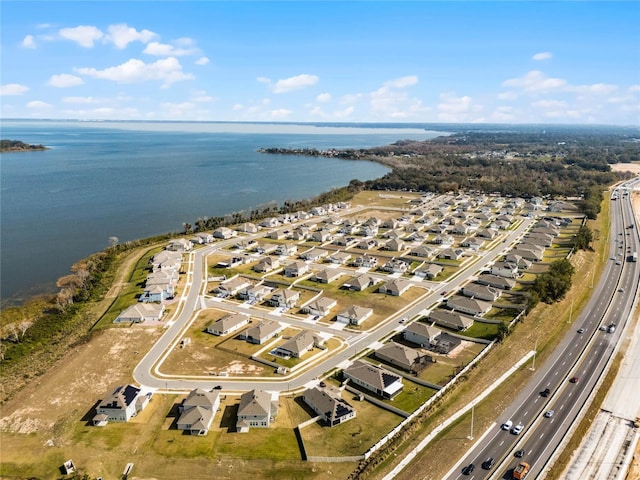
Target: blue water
138,180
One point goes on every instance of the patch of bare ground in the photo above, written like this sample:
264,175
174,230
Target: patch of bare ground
626,167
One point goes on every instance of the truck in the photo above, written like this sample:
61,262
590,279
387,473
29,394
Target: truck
633,257
521,471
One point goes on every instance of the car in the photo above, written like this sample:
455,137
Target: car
468,469
517,429
218,387
520,453
549,413
322,384
488,463
581,330
404,320
507,425
612,328
444,293
602,328
546,392
574,379
618,262
621,290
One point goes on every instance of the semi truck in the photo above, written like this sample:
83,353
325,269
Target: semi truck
521,471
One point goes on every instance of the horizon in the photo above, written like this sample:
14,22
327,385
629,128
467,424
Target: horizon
486,63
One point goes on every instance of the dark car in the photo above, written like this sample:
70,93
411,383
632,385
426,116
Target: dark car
574,380
468,469
520,453
488,463
218,387
546,392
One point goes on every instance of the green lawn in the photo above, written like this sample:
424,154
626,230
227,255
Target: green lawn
486,331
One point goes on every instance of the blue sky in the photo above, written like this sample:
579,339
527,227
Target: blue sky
334,61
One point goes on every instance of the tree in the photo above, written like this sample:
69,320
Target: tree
584,237
113,241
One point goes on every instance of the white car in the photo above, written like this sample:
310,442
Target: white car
517,429
549,414
507,425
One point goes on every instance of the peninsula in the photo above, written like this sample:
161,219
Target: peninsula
18,146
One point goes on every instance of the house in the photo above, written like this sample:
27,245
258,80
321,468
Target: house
522,263
285,298
327,275
403,357
280,234
451,254
257,409
269,222
321,236
254,293
365,261
298,345
339,258
395,245
179,245
367,244
375,379
488,233
422,251
495,281
470,306
481,292
422,334
360,282
313,254
265,248
266,264
233,286
228,324
429,271
444,240
121,405
247,227
345,241
417,237
449,319
474,243
286,249
197,411
328,403
505,269
141,312
224,233
542,239
295,269
528,254
263,331
159,286
390,223
321,307
204,237
166,260
395,265
369,230
395,287
300,233
354,315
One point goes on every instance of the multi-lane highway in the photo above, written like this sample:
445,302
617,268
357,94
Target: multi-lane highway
582,355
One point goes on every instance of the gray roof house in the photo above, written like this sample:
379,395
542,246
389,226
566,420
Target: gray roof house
481,292
328,403
228,324
360,282
285,298
257,409
141,312
429,271
495,281
403,357
452,320
421,334
395,287
505,269
197,411
232,286
313,254
121,405
295,269
354,315
471,306
266,264
322,306
263,331
327,275
298,345
375,379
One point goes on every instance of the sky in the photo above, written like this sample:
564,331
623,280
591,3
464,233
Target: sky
574,62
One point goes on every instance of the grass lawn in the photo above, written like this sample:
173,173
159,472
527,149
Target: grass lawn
446,365
412,396
381,199
486,331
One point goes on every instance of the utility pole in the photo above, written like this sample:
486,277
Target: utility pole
470,437
535,350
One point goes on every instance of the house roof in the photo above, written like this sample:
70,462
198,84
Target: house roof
473,289
398,353
356,312
329,402
450,319
300,343
457,302
423,330
372,375
201,398
229,321
495,280
198,418
322,303
143,311
263,329
255,403
120,398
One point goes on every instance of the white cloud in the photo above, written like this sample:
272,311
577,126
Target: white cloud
12,89
38,105
549,104
167,70
280,113
165,50
203,98
122,35
263,80
402,82
317,112
83,35
347,112
634,88
84,100
294,83
323,98
536,82
65,80
542,56
202,61
507,96
595,89
29,42
458,109
350,98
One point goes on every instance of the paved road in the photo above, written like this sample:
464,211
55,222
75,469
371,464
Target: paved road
541,436
148,372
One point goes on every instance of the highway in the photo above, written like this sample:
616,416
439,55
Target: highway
582,355
148,372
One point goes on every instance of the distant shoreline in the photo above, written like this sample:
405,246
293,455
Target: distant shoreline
8,146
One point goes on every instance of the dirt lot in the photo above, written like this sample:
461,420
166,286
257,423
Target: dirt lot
626,167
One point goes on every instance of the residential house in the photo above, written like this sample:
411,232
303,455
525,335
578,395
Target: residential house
233,286
266,264
481,292
228,324
121,405
522,263
489,233
470,306
474,243
354,315
286,249
422,251
327,275
298,345
339,258
531,255
263,331
328,403
360,283
257,409
205,237
197,411
422,334
321,236
247,227
179,245
367,244
395,245
403,357
224,233
395,265
285,298
300,233
314,254
254,293
391,223
141,312
278,234
345,241
375,379
270,222
265,248
451,253
444,240
417,237
369,230
320,307
428,271
296,269
496,281
166,260
449,319
505,269
365,261
395,287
